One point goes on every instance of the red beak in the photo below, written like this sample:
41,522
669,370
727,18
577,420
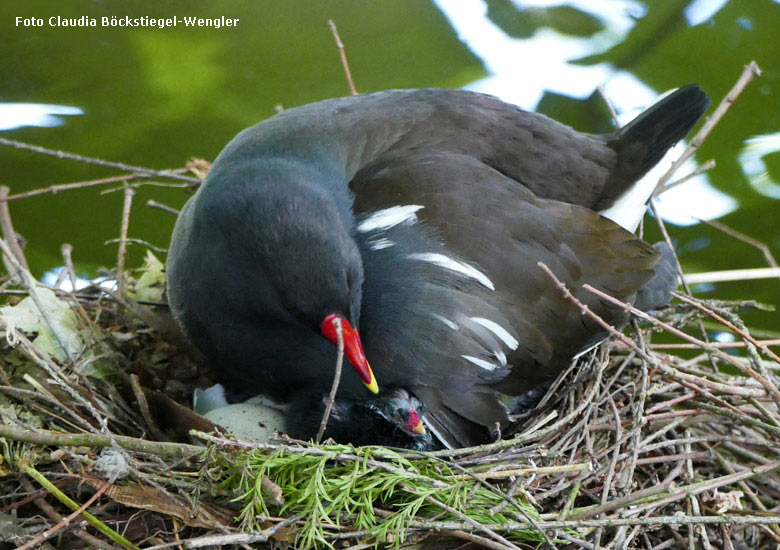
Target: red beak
353,348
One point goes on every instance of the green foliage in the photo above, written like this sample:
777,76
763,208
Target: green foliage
346,486
523,22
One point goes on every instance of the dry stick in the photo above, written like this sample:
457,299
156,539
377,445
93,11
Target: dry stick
636,431
534,435
540,470
719,345
656,521
770,259
471,537
160,206
745,487
709,485
143,405
54,515
231,539
65,521
681,275
58,439
67,257
611,108
726,275
706,167
8,229
96,161
728,324
507,498
142,242
167,330
54,189
768,385
67,501
621,502
120,261
612,465
751,71
472,522
336,379
694,501
665,369
343,55
29,283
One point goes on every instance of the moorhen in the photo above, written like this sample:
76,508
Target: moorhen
418,216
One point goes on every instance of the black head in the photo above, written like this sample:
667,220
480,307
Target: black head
299,249
393,419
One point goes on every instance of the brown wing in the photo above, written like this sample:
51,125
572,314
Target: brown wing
503,229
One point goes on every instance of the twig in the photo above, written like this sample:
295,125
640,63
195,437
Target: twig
143,405
751,71
336,379
612,465
541,470
120,261
65,521
164,207
655,521
99,162
174,450
732,275
471,522
29,283
130,240
232,538
719,345
609,105
706,167
67,257
728,324
54,189
770,259
49,510
8,228
768,385
343,55
67,501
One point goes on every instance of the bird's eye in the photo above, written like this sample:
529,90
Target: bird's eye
402,414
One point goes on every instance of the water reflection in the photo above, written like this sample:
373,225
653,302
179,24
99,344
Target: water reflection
523,69
18,115
752,162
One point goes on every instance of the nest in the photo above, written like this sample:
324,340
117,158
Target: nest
638,445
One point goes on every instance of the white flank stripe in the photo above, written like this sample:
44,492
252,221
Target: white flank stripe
481,363
436,433
448,263
501,357
446,321
379,244
588,349
388,217
510,341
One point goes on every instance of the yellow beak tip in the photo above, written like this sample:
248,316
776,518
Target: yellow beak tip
419,429
373,387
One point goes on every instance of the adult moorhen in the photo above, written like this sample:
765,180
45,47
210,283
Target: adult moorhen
418,216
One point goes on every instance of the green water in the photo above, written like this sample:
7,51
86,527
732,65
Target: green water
156,97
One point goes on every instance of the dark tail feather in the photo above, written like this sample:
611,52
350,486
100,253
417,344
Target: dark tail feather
643,141
658,291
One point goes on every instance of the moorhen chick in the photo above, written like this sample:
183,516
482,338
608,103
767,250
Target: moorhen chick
418,216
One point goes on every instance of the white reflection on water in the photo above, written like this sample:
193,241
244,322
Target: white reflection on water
522,69
17,115
752,162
